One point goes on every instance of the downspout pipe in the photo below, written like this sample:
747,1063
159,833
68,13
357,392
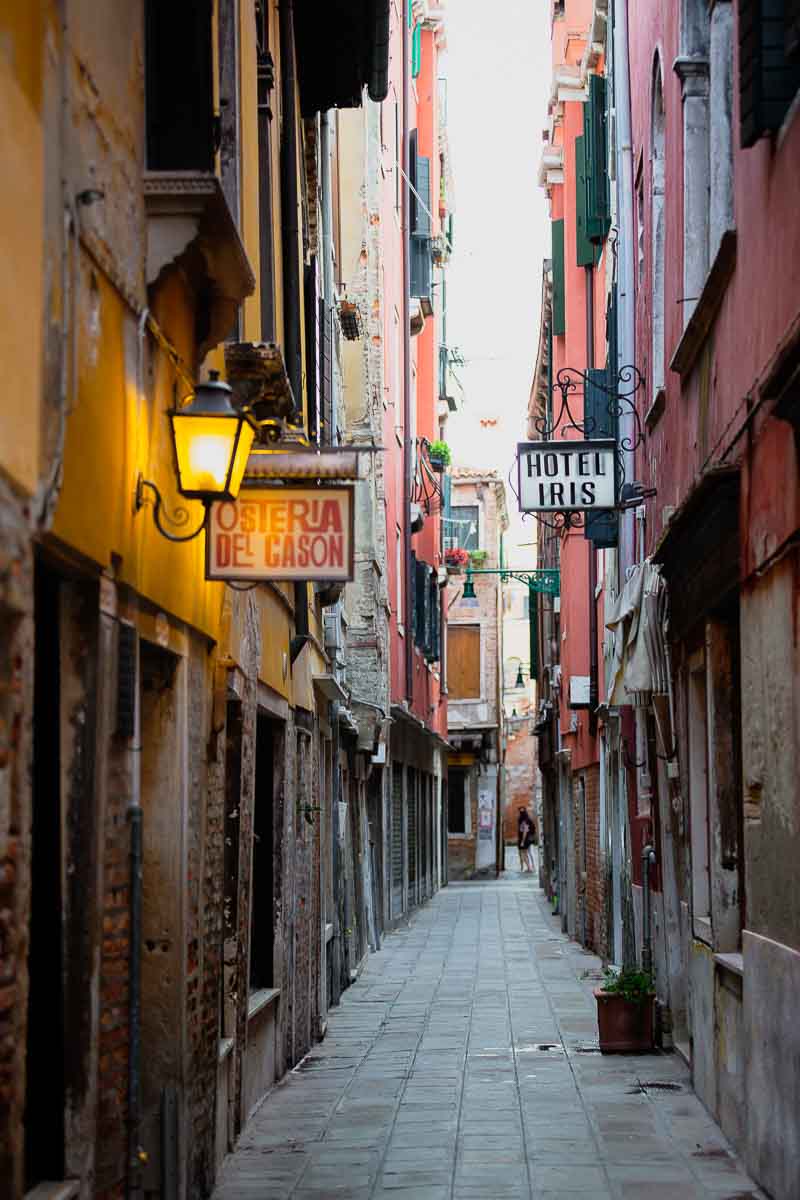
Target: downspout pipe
648,860
290,229
329,416
408,465
625,261
590,544
133,1188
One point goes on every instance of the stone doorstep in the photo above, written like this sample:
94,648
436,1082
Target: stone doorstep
65,1190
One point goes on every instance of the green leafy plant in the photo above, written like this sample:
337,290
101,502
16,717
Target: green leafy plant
631,984
441,452
478,557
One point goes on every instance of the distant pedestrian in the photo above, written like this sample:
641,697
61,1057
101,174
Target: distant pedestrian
526,839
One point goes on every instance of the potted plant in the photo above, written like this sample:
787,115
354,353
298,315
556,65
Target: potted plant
477,557
625,1006
439,455
455,559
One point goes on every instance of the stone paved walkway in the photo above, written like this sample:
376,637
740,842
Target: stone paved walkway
463,1066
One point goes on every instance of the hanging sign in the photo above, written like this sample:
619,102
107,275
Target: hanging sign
563,475
282,533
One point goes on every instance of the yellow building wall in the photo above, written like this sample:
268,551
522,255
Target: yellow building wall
22,42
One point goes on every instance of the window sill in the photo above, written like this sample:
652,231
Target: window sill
701,930
656,410
64,1190
700,322
731,962
191,227
260,1000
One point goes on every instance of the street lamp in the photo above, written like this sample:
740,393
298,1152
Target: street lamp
468,597
212,442
519,682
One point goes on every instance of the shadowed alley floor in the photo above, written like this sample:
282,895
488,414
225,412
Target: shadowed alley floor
463,1066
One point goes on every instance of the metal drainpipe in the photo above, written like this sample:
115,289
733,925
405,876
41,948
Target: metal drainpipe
625,221
329,416
135,1153
408,448
590,544
289,198
648,859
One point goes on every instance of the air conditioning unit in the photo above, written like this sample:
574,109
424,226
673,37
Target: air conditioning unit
333,633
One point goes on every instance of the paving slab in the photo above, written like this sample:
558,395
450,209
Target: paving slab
463,1065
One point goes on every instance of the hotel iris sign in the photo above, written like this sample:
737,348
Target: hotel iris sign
567,476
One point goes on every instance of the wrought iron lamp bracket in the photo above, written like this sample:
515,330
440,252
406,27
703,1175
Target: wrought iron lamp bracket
179,517
621,394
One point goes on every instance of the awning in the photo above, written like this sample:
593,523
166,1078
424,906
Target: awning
637,621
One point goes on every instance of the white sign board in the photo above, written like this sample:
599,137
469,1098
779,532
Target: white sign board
579,691
282,533
563,475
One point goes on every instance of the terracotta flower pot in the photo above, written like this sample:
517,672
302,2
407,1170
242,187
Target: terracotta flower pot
626,1026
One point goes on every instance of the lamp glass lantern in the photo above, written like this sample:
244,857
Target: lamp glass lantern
212,443
519,682
468,596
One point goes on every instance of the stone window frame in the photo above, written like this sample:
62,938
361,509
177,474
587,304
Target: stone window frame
705,69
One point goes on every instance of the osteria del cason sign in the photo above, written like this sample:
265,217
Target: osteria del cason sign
565,475
282,533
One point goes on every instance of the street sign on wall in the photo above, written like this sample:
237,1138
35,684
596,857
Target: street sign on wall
567,476
282,533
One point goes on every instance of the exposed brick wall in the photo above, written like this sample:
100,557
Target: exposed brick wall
590,874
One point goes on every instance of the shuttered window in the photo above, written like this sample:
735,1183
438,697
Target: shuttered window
598,200
397,838
559,296
416,51
585,249
411,818
768,77
421,261
600,421
464,662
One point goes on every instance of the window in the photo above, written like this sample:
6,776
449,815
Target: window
768,77
464,662
262,899
457,815
181,131
559,294
698,794
416,50
462,527
399,580
657,222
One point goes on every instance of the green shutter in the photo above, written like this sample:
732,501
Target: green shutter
422,223
598,202
768,80
416,50
585,248
533,633
600,420
559,296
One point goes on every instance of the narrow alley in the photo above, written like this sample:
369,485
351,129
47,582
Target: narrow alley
464,1064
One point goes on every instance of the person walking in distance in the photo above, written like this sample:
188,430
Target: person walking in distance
525,840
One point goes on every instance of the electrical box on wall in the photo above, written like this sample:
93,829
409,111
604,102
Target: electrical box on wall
579,691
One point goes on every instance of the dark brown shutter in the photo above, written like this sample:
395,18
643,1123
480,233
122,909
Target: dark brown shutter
464,662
